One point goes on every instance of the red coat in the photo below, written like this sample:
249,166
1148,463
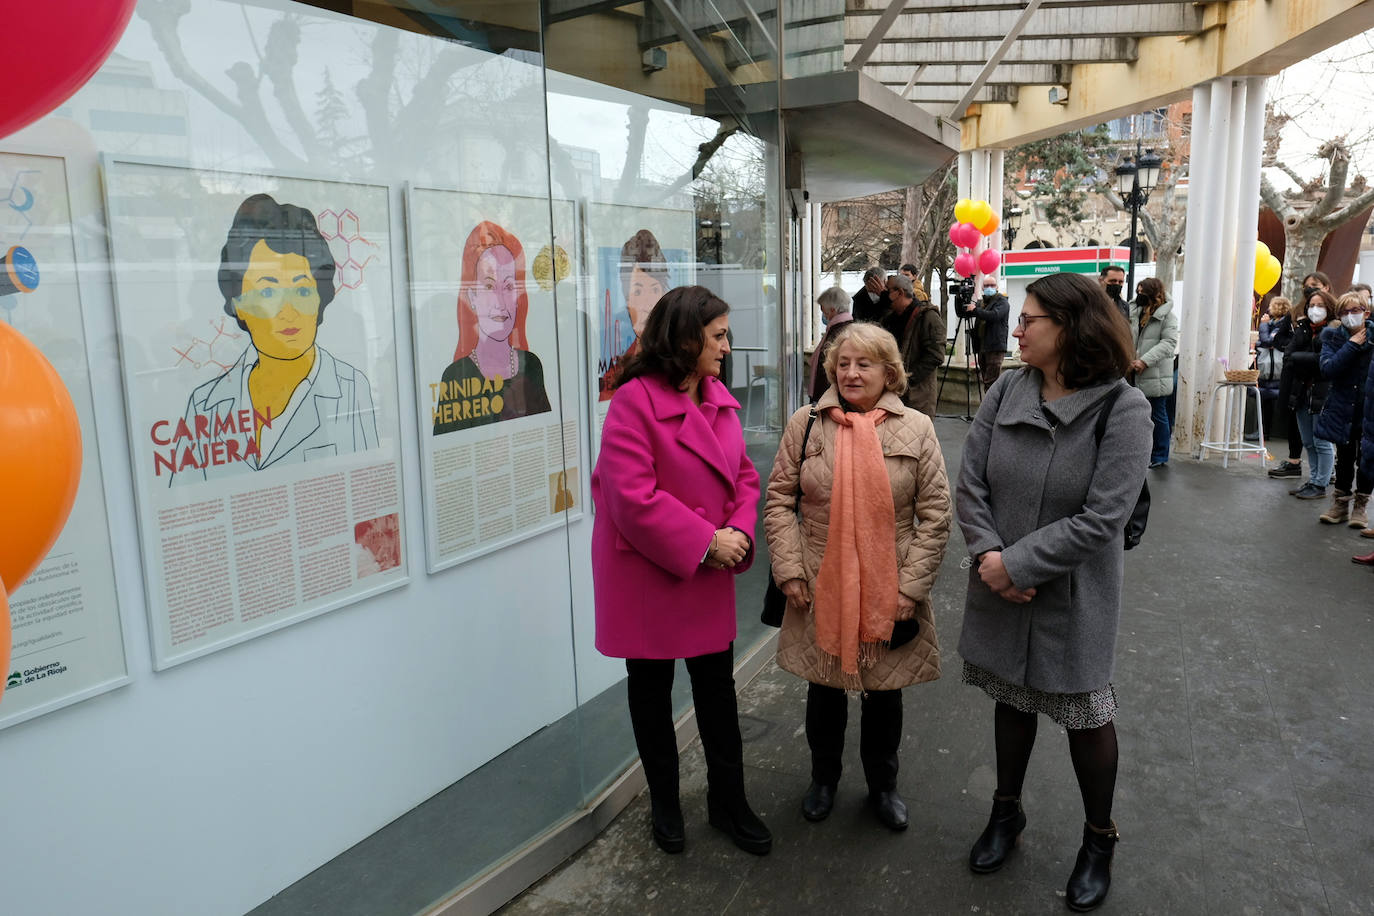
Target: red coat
669,474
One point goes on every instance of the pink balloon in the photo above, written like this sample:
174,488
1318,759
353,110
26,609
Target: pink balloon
965,265
970,236
956,234
54,47
988,261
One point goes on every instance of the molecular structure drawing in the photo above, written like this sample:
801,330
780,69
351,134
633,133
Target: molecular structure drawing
343,230
21,200
221,346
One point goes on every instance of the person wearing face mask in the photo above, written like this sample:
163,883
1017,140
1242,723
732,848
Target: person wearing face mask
1346,348
1304,390
1113,280
871,302
990,330
1154,327
834,306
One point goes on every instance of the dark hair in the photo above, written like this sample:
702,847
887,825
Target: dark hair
1328,300
909,268
1318,276
287,229
1108,269
1153,289
1095,343
642,251
674,335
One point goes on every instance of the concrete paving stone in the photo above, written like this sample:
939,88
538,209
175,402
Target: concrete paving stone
1253,866
1155,734
1341,827
1218,694
1332,751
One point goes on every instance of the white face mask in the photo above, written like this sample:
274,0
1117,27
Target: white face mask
1354,321
1317,314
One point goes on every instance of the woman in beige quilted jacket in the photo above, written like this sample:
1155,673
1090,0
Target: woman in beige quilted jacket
859,562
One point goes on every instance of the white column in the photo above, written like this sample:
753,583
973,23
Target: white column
808,295
996,168
1198,179
965,172
1247,221
821,283
1228,291
1213,214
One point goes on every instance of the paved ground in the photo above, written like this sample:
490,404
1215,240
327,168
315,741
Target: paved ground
1247,775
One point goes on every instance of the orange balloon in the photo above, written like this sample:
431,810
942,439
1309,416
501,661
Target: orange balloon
40,457
991,225
4,641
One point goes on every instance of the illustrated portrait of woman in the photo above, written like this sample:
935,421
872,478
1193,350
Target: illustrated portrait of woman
277,276
493,376
644,280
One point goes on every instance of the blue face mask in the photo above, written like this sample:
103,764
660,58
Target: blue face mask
825,322
989,292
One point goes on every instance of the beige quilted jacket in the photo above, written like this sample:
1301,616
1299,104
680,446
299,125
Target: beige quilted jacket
920,493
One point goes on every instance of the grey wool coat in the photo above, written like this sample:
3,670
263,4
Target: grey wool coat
1034,485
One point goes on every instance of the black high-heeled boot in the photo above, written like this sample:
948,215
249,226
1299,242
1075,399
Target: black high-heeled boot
999,836
669,831
1092,873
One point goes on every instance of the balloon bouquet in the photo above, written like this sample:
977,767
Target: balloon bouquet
974,220
40,438
1268,269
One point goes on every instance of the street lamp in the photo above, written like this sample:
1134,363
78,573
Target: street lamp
1135,179
1013,225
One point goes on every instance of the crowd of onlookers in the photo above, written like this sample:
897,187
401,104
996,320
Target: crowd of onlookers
1315,357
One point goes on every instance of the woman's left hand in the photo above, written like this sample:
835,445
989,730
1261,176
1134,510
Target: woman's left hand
906,607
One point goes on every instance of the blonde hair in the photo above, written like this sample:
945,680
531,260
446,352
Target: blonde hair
1351,300
875,343
1279,306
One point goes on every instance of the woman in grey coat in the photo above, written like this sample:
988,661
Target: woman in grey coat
1155,328
1043,506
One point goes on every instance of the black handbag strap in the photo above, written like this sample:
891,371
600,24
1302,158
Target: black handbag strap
810,421
1104,412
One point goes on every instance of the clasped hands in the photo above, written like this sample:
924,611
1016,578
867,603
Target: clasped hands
729,546
799,598
995,577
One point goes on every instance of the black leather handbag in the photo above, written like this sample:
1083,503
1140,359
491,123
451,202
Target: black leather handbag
774,601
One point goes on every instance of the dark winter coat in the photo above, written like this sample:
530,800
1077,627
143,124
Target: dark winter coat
921,340
990,329
1274,338
1344,365
1037,485
1367,435
863,308
1301,384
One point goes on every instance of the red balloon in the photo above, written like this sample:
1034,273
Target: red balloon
970,236
40,457
988,261
956,234
965,265
52,48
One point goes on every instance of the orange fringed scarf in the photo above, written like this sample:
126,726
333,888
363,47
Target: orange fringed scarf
856,588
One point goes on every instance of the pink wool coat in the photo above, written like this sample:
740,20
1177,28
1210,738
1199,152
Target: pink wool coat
669,474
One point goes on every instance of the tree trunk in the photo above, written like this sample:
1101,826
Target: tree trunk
1302,247
913,218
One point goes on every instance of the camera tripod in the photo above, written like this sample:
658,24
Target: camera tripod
973,377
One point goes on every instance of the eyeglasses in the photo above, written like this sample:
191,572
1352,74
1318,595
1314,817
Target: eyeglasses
1350,312
1023,319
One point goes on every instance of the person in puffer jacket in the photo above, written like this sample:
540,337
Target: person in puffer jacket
1154,328
1346,351
1303,388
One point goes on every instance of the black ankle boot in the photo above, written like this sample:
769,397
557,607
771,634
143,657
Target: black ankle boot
738,820
999,836
669,832
819,802
1092,873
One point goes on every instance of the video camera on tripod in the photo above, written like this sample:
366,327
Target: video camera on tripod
962,290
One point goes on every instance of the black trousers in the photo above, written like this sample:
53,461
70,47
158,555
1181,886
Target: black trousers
880,734
650,688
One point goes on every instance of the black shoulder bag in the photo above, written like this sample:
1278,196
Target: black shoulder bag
774,601
1140,515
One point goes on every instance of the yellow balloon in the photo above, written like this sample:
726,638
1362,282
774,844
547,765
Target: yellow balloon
1267,273
963,210
981,213
1261,252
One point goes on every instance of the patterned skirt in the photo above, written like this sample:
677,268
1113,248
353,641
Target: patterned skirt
1071,710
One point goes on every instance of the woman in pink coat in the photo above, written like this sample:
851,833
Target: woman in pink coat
676,500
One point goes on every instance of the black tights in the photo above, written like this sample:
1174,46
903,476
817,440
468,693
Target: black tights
1093,751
